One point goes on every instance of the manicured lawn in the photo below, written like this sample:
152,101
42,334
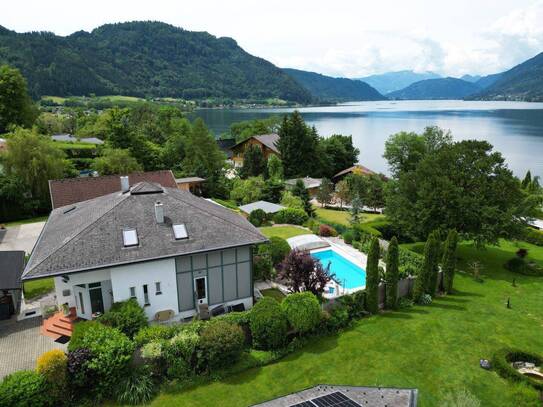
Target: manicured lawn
283,231
25,221
35,288
274,293
342,217
434,348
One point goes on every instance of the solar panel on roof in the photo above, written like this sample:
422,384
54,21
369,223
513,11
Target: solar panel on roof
336,399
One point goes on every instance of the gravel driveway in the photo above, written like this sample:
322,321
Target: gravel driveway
21,344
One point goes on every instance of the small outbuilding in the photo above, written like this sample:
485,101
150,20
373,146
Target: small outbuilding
268,207
312,185
12,264
192,184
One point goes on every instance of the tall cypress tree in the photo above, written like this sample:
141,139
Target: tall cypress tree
392,274
449,260
372,278
434,271
422,283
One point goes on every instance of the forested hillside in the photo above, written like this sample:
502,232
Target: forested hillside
327,88
442,88
144,59
524,82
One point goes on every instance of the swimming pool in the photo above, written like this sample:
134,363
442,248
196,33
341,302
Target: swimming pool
346,273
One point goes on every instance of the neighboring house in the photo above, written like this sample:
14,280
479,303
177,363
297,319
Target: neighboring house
311,184
267,207
71,190
192,184
355,169
173,252
12,264
3,144
267,142
68,138
536,224
226,146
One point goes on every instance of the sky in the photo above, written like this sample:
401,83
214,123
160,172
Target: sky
345,38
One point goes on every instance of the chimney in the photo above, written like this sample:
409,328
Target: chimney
159,212
125,184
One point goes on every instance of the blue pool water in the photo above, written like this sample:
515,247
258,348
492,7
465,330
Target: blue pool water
347,274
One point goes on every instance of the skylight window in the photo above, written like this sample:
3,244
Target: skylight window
130,237
180,231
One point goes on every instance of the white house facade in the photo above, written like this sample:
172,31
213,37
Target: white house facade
171,251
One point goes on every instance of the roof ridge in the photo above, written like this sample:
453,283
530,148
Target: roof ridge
178,197
123,199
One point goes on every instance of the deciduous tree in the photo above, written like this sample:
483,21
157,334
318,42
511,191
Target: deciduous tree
324,194
115,161
16,107
303,273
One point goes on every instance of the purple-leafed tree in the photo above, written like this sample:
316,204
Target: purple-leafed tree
302,272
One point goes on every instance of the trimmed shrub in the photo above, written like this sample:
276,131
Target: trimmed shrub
80,375
127,316
521,266
268,324
53,365
257,217
348,236
221,344
277,249
25,388
534,236
111,352
338,318
242,319
302,310
502,360
423,283
291,216
153,353
355,304
136,387
262,266
155,332
327,230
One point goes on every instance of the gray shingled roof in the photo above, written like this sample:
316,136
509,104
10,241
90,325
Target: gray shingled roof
11,268
88,235
269,140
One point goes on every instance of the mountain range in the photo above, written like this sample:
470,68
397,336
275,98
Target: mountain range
327,88
523,82
154,59
440,88
392,81
144,59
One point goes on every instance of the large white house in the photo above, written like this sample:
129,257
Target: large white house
167,248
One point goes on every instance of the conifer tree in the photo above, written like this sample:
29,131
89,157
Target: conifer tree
391,274
434,271
449,261
422,283
372,278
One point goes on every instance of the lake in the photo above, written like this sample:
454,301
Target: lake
513,128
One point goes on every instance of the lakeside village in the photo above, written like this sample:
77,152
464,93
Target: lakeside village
142,258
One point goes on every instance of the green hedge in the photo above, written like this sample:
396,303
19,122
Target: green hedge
268,324
303,311
127,316
291,216
25,388
502,359
221,344
534,236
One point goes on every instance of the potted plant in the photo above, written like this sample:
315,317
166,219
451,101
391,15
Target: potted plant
66,309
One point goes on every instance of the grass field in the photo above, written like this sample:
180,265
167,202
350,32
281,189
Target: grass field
274,293
36,288
433,348
342,217
283,231
26,221
74,146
